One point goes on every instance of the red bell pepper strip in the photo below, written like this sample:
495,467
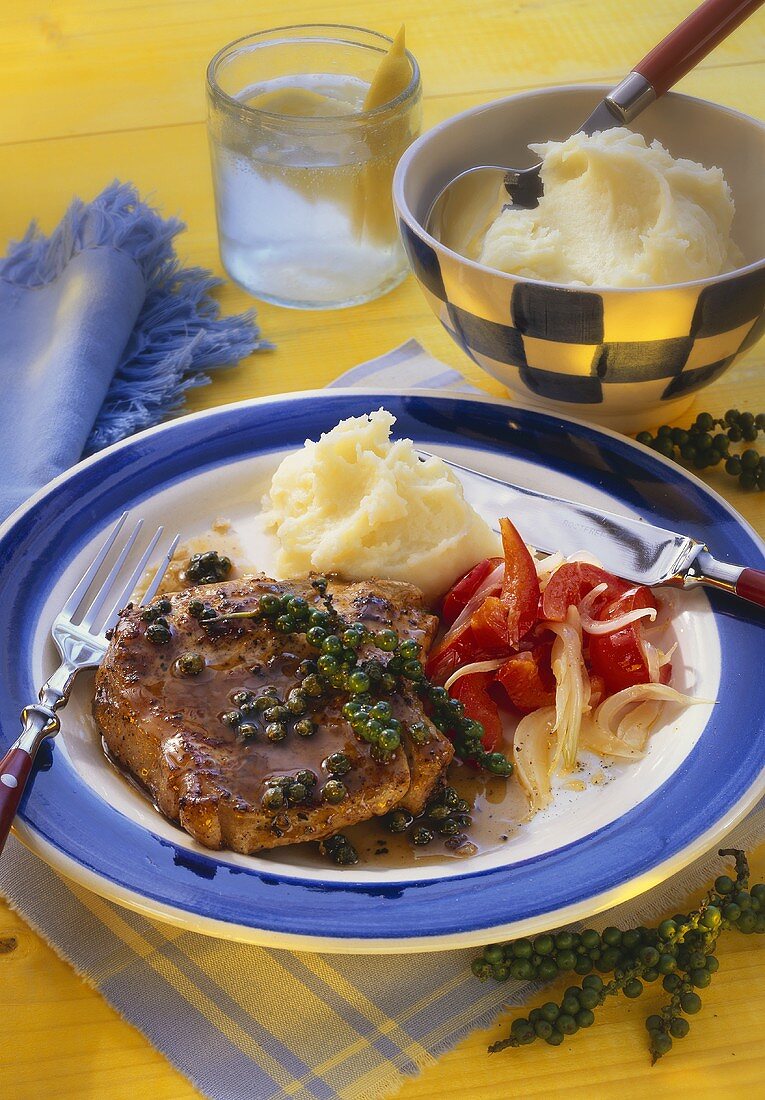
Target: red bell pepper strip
619,657
451,654
570,583
528,680
460,594
489,626
520,587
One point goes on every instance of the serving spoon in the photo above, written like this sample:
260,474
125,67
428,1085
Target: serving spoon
480,193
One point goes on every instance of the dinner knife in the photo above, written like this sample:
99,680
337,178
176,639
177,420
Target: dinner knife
633,549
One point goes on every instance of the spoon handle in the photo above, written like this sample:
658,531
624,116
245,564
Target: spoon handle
692,40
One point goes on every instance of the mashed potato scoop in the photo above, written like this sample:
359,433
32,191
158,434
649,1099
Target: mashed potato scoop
361,505
465,208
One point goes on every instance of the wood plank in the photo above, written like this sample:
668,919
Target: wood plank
83,67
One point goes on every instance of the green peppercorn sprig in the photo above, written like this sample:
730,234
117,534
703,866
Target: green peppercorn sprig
338,667
680,951
698,447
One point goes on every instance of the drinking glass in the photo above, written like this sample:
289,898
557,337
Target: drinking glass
302,173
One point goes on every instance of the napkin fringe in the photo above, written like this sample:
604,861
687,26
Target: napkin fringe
179,333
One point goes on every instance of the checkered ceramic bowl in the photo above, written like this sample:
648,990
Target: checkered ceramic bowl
623,357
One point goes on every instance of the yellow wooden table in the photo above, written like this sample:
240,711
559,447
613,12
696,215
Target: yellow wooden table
94,90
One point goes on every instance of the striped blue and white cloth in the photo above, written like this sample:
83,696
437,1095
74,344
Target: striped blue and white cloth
250,1022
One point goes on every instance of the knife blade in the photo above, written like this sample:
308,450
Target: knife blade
637,551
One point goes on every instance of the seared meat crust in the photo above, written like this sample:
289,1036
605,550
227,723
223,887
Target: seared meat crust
166,729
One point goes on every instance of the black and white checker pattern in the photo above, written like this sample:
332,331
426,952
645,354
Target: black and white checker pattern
574,345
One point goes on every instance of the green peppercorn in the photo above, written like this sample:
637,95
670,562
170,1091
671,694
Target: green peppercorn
273,798
297,793
334,791
422,835
232,718
158,634
276,731
337,763
399,821
304,727
312,686
388,740
190,664
208,567
358,682
498,764
690,1003
269,604
339,849
296,702
353,638
387,640
315,636
438,813
307,778
419,733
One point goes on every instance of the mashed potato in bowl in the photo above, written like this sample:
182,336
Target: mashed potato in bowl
358,504
617,212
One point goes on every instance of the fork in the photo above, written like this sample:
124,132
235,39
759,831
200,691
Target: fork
80,646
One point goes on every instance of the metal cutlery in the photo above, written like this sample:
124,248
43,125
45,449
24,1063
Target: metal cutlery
80,632
633,549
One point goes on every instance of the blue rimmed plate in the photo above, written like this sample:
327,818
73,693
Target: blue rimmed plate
704,770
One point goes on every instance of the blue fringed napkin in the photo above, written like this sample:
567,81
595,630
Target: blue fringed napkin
101,334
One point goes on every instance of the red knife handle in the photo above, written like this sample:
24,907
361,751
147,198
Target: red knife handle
39,721
15,769
692,40
751,585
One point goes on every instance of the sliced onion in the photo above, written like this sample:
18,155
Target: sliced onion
609,626
651,654
639,693
587,601
476,666
572,688
546,567
634,728
492,581
532,743
594,738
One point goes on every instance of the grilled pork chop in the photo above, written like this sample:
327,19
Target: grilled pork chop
166,729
